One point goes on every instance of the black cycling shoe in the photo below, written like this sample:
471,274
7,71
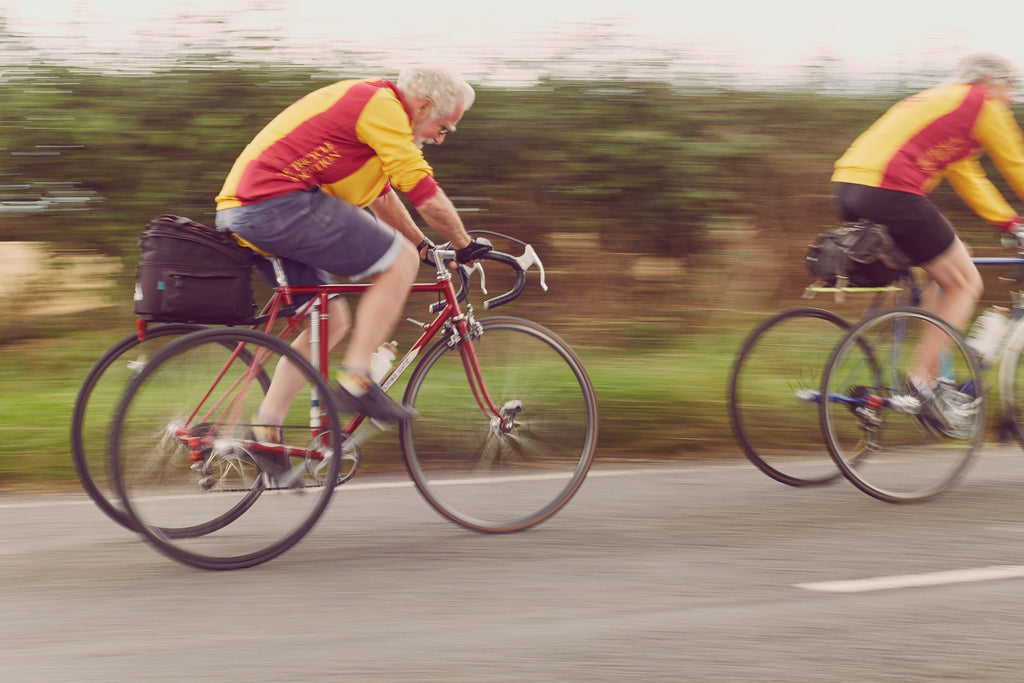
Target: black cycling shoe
278,472
375,403
275,468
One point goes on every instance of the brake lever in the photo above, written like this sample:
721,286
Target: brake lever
483,280
529,258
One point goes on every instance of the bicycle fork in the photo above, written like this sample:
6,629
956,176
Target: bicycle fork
502,419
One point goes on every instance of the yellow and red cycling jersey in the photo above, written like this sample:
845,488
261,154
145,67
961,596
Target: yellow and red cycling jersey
353,138
941,132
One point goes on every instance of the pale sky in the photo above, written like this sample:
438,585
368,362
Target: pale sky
755,36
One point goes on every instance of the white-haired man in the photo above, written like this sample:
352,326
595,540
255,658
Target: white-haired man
298,191
887,173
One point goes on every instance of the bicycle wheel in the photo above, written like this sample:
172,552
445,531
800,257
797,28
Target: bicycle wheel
773,395
187,466
504,474
878,429
96,404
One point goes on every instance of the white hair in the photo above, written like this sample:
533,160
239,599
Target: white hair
981,65
441,84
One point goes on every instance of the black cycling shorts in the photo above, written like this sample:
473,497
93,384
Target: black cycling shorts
917,226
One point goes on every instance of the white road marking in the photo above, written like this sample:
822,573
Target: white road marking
52,500
879,583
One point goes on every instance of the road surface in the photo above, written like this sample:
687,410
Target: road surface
689,571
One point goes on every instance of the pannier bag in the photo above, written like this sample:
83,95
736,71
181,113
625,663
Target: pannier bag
190,272
856,255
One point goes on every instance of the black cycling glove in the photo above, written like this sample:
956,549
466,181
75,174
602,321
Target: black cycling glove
428,255
477,248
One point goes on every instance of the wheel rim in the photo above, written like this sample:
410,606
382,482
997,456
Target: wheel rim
507,474
893,453
187,484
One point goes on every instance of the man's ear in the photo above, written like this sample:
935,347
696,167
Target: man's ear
422,108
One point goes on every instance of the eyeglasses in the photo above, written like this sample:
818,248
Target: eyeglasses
445,129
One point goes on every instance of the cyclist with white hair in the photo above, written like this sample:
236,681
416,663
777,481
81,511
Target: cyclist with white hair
888,172
298,191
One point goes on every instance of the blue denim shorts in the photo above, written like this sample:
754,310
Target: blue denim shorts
314,235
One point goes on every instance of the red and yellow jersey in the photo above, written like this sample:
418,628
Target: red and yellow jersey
941,132
353,138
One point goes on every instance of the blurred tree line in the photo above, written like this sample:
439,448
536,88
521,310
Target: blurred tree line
670,209
684,169
90,156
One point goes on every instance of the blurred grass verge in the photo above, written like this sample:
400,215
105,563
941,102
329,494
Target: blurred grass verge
663,403
658,337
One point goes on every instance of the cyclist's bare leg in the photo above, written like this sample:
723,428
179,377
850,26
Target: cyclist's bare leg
379,308
287,381
961,287
376,316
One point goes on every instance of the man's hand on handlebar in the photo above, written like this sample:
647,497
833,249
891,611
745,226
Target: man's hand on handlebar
428,253
469,259
474,250
466,255
1013,234
425,249
1017,230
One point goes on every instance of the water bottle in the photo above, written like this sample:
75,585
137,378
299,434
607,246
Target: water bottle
382,360
380,365
987,334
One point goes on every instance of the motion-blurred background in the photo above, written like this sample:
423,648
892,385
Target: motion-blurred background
669,168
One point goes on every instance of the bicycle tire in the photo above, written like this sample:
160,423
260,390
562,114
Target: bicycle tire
491,477
186,463
772,395
211,525
93,396
889,448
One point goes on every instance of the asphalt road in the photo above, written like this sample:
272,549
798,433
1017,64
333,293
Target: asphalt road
689,571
